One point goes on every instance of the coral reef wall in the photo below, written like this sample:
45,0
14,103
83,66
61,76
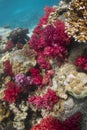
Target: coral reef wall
43,79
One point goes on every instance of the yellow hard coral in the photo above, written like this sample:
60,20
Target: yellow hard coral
76,20
77,85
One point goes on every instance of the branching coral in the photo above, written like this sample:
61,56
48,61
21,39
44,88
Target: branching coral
76,20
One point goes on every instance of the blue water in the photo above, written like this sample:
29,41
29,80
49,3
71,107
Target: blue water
23,13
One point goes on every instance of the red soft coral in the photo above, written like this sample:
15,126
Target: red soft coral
8,68
81,62
55,35
50,123
43,63
58,52
61,36
51,41
46,102
11,93
36,77
34,72
37,80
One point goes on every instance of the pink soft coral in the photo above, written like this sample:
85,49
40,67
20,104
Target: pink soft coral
43,63
46,102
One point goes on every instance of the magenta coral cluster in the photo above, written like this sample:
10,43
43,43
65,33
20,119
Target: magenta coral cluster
12,92
46,102
50,123
43,62
36,76
50,42
81,62
51,37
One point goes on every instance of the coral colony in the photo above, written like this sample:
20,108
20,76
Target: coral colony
39,87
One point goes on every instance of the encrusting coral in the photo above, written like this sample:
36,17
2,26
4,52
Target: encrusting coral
76,20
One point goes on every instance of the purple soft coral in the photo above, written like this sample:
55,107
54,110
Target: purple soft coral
22,80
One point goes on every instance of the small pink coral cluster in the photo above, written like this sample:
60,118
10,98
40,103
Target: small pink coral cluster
50,123
46,102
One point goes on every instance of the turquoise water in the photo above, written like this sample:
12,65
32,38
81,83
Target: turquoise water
23,13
